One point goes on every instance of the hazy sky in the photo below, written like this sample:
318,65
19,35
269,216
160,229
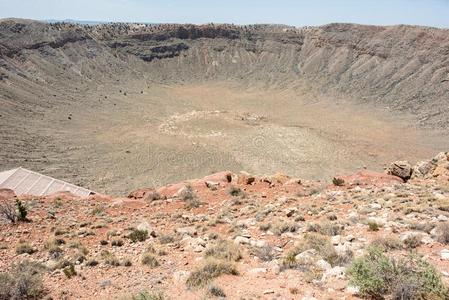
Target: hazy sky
299,12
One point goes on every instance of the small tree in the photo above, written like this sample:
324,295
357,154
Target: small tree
8,211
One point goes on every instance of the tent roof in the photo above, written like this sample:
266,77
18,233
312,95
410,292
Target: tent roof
23,181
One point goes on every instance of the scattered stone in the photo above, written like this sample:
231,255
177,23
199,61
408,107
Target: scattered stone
444,254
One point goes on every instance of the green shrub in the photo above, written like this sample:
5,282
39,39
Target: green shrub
211,268
69,271
338,181
373,226
137,235
24,281
235,191
377,276
22,211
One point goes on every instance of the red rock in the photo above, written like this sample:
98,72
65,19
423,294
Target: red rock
141,193
225,177
170,191
6,194
366,177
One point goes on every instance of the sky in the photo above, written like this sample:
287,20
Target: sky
298,13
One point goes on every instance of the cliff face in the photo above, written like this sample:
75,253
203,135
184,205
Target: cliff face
403,67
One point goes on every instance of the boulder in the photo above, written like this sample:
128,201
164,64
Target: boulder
423,168
180,276
170,191
213,185
221,177
190,231
141,193
444,254
401,169
241,240
245,178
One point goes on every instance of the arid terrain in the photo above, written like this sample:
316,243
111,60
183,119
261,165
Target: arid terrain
134,112
239,236
116,107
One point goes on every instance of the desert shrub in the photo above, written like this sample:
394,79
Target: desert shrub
127,262
326,228
387,243
264,253
413,241
24,281
224,250
235,191
281,227
166,239
443,233
52,246
146,296
332,217
13,212
22,248
92,263
98,210
324,248
189,196
215,291
81,248
150,260
137,235
69,271
110,259
338,181
373,226
426,227
187,193
265,227
377,275
211,268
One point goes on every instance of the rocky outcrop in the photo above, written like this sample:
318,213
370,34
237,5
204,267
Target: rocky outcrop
437,167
